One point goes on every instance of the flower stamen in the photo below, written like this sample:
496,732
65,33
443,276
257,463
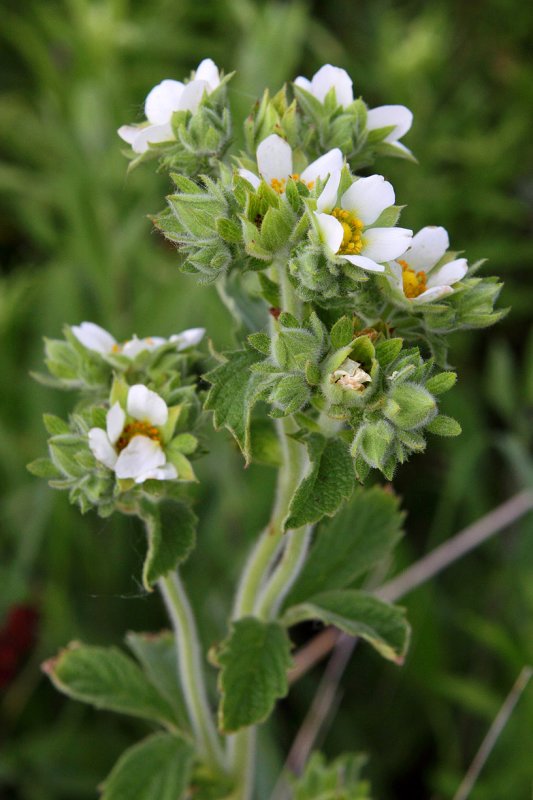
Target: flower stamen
352,240
414,283
137,428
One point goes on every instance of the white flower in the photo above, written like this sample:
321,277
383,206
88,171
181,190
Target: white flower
274,164
131,445
384,117
417,275
166,98
324,80
351,375
93,337
344,227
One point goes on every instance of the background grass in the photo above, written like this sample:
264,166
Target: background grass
75,244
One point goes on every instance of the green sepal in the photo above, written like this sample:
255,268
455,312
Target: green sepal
441,383
341,333
444,426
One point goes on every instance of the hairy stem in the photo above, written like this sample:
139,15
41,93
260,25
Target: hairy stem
190,668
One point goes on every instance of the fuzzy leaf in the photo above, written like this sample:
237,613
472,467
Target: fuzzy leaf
342,332
358,614
106,678
254,661
348,546
441,383
329,481
444,426
159,766
171,527
43,468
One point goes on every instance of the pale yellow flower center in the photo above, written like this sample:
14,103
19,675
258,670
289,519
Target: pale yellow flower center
352,239
137,428
279,184
414,283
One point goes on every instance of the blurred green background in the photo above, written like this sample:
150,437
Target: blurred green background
76,244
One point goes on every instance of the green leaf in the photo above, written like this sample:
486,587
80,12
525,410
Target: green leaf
358,614
234,392
345,548
158,767
388,350
265,443
171,527
444,426
254,659
339,780
106,678
156,652
329,481
441,383
342,332
43,468
228,230
55,425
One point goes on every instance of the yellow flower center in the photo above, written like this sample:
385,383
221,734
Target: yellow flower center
137,428
279,184
414,283
352,239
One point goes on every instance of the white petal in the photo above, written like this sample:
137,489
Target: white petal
325,165
162,101
140,456
385,116
192,95
128,133
303,83
250,177
396,278
435,293
188,338
135,346
168,472
146,405
152,134
331,231
115,420
384,244
364,263
448,274
327,77
274,158
208,71
328,198
368,197
93,337
428,247
101,447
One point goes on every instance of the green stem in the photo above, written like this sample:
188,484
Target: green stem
190,668
286,573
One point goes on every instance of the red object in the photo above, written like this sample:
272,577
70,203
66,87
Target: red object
17,637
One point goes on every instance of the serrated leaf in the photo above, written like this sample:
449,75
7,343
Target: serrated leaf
158,767
234,392
358,614
254,660
171,527
444,426
329,481
106,678
345,548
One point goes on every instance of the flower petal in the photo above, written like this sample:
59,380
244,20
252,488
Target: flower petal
167,472
139,457
385,244
101,447
274,158
395,275
325,165
208,71
368,197
448,274
385,116
162,101
128,133
93,337
364,263
188,338
135,345
115,419
427,248
430,295
328,77
192,95
152,134
146,405
250,177
328,198
331,231
303,83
